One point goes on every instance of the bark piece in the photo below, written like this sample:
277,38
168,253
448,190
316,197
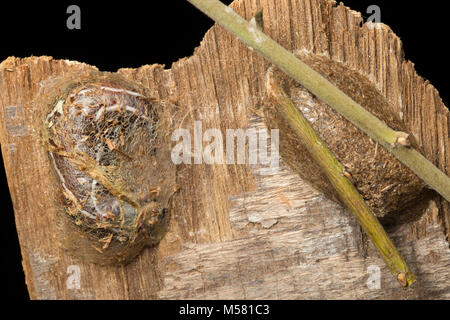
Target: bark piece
240,231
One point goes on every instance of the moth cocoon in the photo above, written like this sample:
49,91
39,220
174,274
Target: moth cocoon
109,149
388,187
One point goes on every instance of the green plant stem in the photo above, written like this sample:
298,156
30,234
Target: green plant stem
394,141
335,172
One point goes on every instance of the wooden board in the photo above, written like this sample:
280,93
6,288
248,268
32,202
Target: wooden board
239,232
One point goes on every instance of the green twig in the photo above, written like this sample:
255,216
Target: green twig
336,173
395,142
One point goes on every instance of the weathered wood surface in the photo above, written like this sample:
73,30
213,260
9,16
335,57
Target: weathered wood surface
238,231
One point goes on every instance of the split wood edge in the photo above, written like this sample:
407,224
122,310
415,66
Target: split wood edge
394,141
336,173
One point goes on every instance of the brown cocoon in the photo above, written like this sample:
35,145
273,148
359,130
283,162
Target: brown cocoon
386,184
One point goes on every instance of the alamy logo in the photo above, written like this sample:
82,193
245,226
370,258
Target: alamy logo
73,280
375,19
374,280
74,20
218,151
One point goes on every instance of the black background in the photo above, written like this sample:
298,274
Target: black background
134,33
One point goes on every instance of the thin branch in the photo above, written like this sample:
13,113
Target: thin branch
336,173
395,142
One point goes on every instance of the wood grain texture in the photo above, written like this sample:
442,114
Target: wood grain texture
238,231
